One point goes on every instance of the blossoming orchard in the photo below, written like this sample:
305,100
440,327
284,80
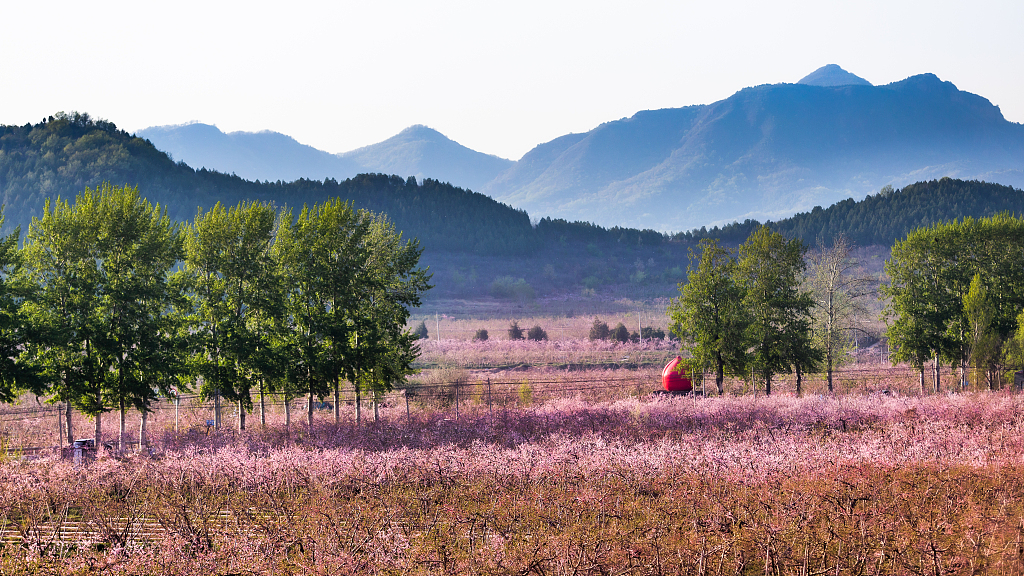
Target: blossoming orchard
806,445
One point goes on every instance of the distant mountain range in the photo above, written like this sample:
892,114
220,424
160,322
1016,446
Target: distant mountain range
469,238
416,151
765,152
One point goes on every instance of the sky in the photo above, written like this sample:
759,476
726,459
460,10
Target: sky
499,77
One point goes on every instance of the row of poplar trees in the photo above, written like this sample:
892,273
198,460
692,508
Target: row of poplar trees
110,305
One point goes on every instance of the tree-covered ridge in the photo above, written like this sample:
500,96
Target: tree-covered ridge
66,153
885,217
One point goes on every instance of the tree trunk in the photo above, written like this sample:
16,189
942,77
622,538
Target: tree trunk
121,428
309,409
142,430
98,438
263,407
720,374
337,400
767,384
938,371
359,407
799,381
241,415
922,378
376,414
287,412
67,418
828,364
216,409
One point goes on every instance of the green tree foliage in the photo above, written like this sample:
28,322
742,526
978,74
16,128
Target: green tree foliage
599,330
91,315
930,274
389,283
421,331
620,333
102,263
983,346
58,257
509,288
769,270
514,331
709,316
351,280
650,333
481,335
537,334
137,244
233,300
17,370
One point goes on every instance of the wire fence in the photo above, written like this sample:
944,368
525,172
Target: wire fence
470,387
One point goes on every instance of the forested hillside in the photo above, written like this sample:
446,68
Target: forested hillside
474,244
885,217
68,152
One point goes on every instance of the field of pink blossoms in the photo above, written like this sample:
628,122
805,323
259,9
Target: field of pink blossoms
857,484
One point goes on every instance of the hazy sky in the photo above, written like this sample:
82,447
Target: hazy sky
499,77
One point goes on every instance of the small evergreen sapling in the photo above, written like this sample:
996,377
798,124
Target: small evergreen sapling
421,331
514,331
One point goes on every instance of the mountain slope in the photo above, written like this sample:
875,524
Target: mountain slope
426,153
63,155
832,75
252,155
766,152
416,151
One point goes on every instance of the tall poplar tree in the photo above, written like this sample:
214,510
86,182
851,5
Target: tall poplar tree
59,257
18,371
769,271
102,305
709,316
137,244
233,298
320,254
388,285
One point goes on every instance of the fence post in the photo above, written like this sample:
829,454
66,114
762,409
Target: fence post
489,414
457,386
